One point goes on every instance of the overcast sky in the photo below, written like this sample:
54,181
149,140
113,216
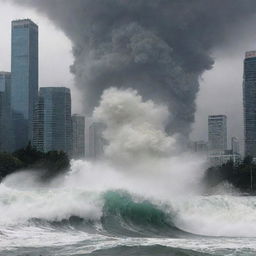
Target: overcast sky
221,87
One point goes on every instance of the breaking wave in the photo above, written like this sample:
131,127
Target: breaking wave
122,212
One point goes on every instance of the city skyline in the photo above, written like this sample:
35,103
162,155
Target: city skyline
224,81
27,24
32,115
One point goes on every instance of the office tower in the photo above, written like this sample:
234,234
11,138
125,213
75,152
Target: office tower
96,140
249,102
217,133
88,123
78,136
24,82
5,112
52,129
38,126
235,145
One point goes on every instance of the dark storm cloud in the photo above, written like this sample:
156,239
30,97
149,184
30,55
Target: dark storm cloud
159,47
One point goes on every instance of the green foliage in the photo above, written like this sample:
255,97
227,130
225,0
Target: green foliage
9,164
28,155
242,176
49,164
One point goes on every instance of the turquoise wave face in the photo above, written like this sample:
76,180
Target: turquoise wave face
123,215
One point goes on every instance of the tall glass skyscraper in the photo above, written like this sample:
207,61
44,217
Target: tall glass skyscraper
52,120
5,112
24,91
249,100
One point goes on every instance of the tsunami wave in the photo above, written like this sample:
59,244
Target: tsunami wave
101,215
123,213
113,213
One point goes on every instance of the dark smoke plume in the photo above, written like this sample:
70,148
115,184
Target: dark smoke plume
158,47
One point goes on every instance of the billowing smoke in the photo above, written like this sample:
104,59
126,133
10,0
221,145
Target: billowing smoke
158,47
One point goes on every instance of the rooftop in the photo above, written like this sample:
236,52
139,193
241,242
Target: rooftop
23,22
250,54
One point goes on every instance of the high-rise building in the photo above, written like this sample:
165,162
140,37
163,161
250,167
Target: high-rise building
88,123
52,129
217,133
78,136
6,143
249,102
235,145
96,140
24,82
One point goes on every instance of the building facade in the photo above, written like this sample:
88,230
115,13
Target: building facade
217,134
249,103
52,125
78,136
96,140
6,143
24,82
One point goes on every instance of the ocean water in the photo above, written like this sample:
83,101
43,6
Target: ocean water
68,217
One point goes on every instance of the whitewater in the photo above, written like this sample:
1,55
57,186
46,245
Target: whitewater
143,197
68,217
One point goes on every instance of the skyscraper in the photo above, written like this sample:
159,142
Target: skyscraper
78,136
96,140
24,90
52,120
217,133
5,112
249,102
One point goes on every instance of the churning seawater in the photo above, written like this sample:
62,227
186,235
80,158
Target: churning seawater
84,213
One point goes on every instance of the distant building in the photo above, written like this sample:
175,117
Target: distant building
52,126
249,103
235,145
78,137
222,158
233,155
24,68
96,140
88,123
6,142
217,134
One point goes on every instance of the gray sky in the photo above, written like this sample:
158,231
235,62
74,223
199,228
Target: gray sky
221,87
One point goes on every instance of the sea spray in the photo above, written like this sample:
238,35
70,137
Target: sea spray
140,158
135,129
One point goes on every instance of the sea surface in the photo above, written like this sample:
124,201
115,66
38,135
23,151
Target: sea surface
75,220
